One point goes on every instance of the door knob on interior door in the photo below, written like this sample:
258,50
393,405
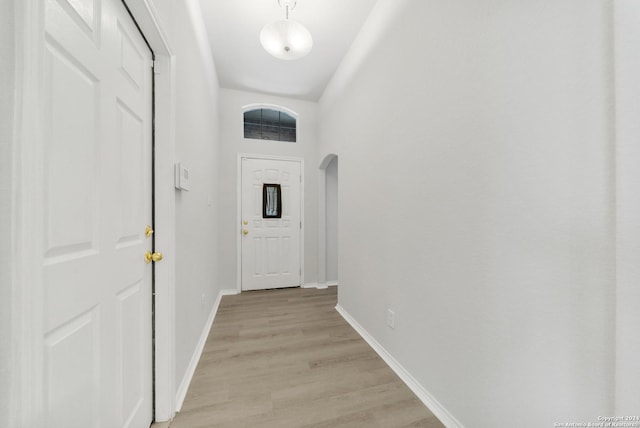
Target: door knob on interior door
152,257
245,232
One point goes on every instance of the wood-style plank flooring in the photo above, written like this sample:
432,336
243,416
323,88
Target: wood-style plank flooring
286,358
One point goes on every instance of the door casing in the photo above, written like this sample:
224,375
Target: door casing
239,211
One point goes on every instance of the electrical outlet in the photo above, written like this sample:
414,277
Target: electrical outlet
391,319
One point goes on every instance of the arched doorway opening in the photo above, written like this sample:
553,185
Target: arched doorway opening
328,271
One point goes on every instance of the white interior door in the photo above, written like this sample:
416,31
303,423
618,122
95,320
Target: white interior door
271,223
96,205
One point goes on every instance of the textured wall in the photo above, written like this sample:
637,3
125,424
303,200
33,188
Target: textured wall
232,143
7,64
477,201
627,54
197,132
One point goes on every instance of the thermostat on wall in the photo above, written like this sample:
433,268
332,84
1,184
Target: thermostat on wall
181,177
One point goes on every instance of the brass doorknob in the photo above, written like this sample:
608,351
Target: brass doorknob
148,231
152,257
245,222
245,232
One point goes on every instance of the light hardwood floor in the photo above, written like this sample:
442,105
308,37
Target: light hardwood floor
286,358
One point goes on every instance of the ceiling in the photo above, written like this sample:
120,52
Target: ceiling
234,26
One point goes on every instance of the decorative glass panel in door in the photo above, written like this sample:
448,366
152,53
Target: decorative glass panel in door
271,201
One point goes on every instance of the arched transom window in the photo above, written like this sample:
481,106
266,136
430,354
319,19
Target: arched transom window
269,124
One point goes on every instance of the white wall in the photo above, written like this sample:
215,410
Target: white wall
7,64
332,220
197,132
232,142
627,54
476,200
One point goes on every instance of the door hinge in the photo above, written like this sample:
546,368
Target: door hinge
300,225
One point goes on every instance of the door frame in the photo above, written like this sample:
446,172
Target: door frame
27,294
242,156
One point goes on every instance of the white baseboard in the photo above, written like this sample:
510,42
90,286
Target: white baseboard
197,353
310,285
320,286
432,404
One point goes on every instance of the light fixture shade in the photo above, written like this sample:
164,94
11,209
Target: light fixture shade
286,39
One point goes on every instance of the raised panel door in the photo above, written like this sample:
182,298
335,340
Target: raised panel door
96,204
271,247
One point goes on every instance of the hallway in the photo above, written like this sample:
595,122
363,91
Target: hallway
287,359
484,227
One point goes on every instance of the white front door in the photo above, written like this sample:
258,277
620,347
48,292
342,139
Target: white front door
95,207
271,223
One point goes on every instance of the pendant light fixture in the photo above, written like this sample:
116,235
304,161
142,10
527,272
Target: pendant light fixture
286,39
